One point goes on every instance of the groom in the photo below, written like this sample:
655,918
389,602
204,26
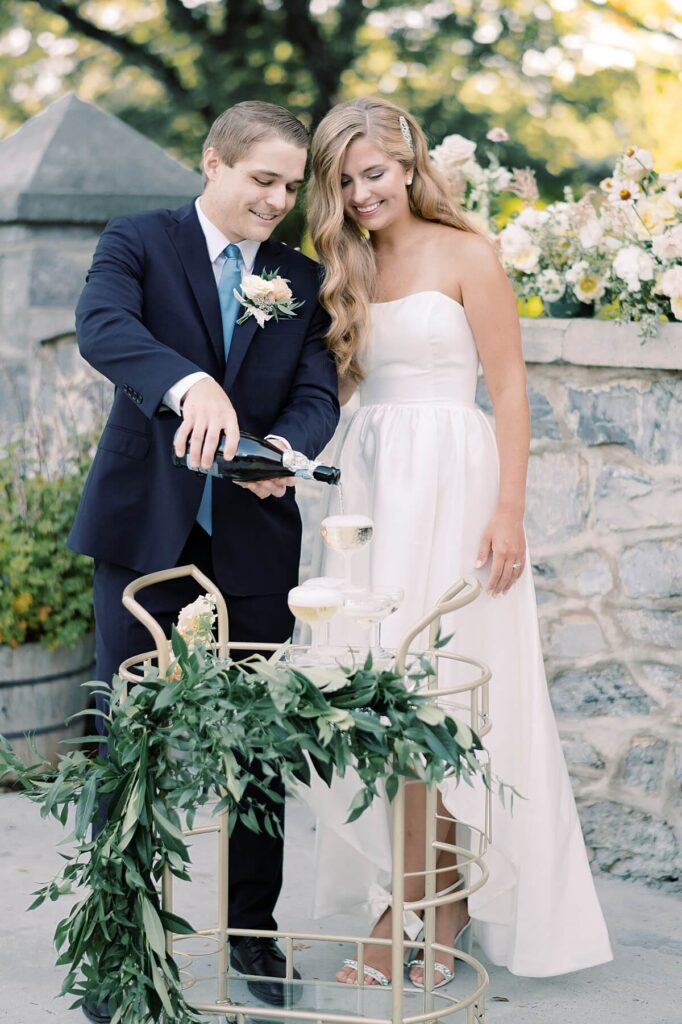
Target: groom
158,318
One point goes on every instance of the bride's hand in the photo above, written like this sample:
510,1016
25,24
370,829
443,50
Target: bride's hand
504,536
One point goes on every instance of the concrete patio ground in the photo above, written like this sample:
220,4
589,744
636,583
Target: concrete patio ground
642,986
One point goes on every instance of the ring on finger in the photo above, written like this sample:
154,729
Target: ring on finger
516,565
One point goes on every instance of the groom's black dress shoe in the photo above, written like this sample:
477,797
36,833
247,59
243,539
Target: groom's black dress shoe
98,1014
263,957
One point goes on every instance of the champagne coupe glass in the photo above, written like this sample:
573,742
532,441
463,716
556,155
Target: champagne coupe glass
316,606
325,583
369,608
346,534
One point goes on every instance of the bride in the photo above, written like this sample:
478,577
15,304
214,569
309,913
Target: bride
417,299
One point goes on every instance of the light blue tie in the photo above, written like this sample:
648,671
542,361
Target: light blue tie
230,278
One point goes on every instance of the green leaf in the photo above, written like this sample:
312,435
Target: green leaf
153,928
85,806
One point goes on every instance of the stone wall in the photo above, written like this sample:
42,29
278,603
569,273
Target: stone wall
603,522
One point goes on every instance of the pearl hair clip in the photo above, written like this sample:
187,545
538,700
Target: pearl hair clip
407,134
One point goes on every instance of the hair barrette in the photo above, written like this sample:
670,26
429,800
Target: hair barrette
405,129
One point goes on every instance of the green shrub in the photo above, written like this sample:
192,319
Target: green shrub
45,588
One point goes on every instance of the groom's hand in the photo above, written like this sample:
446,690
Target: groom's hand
276,488
207,413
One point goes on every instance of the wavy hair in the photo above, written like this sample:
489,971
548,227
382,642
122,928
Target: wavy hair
347,256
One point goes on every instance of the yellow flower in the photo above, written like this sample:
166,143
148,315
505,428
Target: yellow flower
44,612
22,602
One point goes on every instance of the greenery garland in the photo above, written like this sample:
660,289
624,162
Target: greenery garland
171,746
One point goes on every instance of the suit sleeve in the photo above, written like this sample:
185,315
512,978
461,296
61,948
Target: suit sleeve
111,333
311,413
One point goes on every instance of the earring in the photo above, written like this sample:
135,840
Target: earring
408,182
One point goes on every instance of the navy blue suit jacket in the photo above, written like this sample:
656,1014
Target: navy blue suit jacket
148,316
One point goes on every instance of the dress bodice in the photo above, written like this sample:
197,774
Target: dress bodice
421,349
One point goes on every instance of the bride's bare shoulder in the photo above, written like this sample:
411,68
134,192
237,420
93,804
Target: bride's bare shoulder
471,245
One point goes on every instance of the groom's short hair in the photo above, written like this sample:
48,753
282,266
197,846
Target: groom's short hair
240,127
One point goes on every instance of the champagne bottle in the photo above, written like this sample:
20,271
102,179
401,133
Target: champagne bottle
256,459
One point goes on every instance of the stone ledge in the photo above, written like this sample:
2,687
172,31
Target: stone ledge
585,342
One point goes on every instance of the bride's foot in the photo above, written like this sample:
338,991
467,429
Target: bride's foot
377,958
450,920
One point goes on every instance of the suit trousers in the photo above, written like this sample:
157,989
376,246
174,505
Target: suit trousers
255,876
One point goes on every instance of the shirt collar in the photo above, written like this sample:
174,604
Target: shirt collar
216,240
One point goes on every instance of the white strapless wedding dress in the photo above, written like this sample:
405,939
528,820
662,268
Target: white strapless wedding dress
420,458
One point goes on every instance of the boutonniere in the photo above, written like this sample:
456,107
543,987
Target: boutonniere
266,296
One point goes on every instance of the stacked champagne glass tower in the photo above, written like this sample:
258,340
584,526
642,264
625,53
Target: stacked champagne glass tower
317,601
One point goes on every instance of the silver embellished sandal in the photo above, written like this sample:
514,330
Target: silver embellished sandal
370,972
461,941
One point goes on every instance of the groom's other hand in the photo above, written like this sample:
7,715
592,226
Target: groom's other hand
271,488
207,413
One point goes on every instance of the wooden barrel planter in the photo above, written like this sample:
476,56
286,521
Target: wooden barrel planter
39,691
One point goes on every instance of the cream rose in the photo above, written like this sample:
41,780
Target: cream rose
454,149
256,288
676,306
633,266
280,289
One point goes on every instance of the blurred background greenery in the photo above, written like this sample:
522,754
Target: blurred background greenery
572,81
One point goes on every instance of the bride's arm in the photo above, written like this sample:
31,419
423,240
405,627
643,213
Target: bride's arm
347,388
490,306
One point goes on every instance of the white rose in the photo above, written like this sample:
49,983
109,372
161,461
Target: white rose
591,234
514,237
531,218
676,306
674,191
671,282
668,246
633,266
497,135
454,149
576,271
550,285
526,260
256,288
637,162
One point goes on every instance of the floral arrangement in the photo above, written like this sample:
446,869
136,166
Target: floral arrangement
171,746
266,296
615,251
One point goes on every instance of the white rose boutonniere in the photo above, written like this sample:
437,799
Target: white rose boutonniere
266,296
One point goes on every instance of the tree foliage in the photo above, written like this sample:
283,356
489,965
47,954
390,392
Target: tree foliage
571,80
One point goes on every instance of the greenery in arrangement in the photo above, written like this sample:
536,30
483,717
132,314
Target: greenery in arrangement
615,252
171,746
46,588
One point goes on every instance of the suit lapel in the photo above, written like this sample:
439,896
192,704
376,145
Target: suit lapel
189,241
242,334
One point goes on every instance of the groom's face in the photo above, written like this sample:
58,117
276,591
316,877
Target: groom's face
250,198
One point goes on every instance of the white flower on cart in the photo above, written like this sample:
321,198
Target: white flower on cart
670,283
518,249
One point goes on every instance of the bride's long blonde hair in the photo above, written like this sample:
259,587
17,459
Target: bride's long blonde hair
345,252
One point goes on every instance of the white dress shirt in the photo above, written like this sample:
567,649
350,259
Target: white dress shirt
216,243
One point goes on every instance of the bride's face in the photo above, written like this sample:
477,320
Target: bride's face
374,186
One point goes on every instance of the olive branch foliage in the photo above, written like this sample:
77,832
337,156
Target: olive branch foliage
174,741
